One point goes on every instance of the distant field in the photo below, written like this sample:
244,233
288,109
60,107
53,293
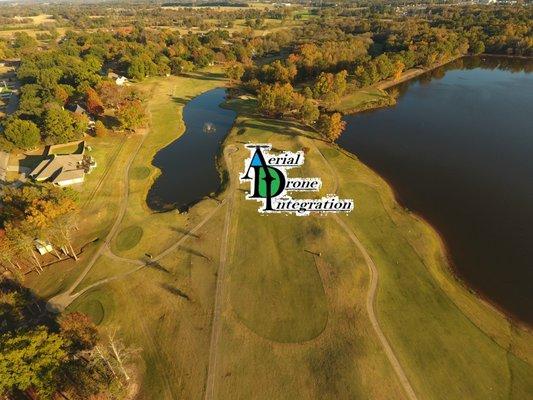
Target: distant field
43,19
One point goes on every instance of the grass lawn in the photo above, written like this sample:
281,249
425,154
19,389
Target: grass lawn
167,98
165,311
294,325
361,99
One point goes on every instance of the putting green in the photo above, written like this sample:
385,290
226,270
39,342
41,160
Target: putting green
129,237
94,309
139,173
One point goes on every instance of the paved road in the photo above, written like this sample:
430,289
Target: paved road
4,161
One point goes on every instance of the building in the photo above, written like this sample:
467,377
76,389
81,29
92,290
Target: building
82,111
64,170
119,80
43,247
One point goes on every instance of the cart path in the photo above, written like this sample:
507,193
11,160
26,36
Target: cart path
62,300
371,294
216,325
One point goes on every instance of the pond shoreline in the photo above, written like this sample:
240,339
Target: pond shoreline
478,288
196,149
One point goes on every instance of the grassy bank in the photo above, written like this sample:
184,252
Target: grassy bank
451,344
375,96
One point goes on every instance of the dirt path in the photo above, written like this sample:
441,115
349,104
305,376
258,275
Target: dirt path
139,264
371,294
62,300
216,325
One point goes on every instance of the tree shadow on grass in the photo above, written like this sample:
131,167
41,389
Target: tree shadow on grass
185,232
208,76
281,127
194,252
175,291
32,314
181,100
156,265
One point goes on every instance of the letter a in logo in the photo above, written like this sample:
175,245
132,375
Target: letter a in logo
268,181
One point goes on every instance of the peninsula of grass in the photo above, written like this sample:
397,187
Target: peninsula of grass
450,343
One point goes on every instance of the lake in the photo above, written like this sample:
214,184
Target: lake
458,150
188,164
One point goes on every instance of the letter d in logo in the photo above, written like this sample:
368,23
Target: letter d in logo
269,181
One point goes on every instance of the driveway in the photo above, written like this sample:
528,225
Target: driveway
4,160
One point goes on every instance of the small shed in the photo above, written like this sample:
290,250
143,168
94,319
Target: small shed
43,247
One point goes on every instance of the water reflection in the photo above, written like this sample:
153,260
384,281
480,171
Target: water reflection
458,149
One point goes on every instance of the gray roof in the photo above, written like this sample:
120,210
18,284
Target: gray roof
69,175
57,164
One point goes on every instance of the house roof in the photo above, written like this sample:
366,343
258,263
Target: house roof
79,110
47,168
69,175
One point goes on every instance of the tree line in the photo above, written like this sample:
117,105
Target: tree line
50,356
316,64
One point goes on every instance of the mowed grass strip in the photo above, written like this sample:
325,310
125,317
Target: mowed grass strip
276,289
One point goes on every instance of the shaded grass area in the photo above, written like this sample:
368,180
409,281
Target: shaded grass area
129,237
363,99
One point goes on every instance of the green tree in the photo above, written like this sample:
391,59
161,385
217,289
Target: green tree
31,360
131,114
136,69
99,129
276,99
309,111
235,71
58,126
478,47
22,134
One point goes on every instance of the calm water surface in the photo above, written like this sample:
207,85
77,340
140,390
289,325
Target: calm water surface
188,168
458,149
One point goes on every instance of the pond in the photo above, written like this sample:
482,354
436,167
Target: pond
188,165
458,150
